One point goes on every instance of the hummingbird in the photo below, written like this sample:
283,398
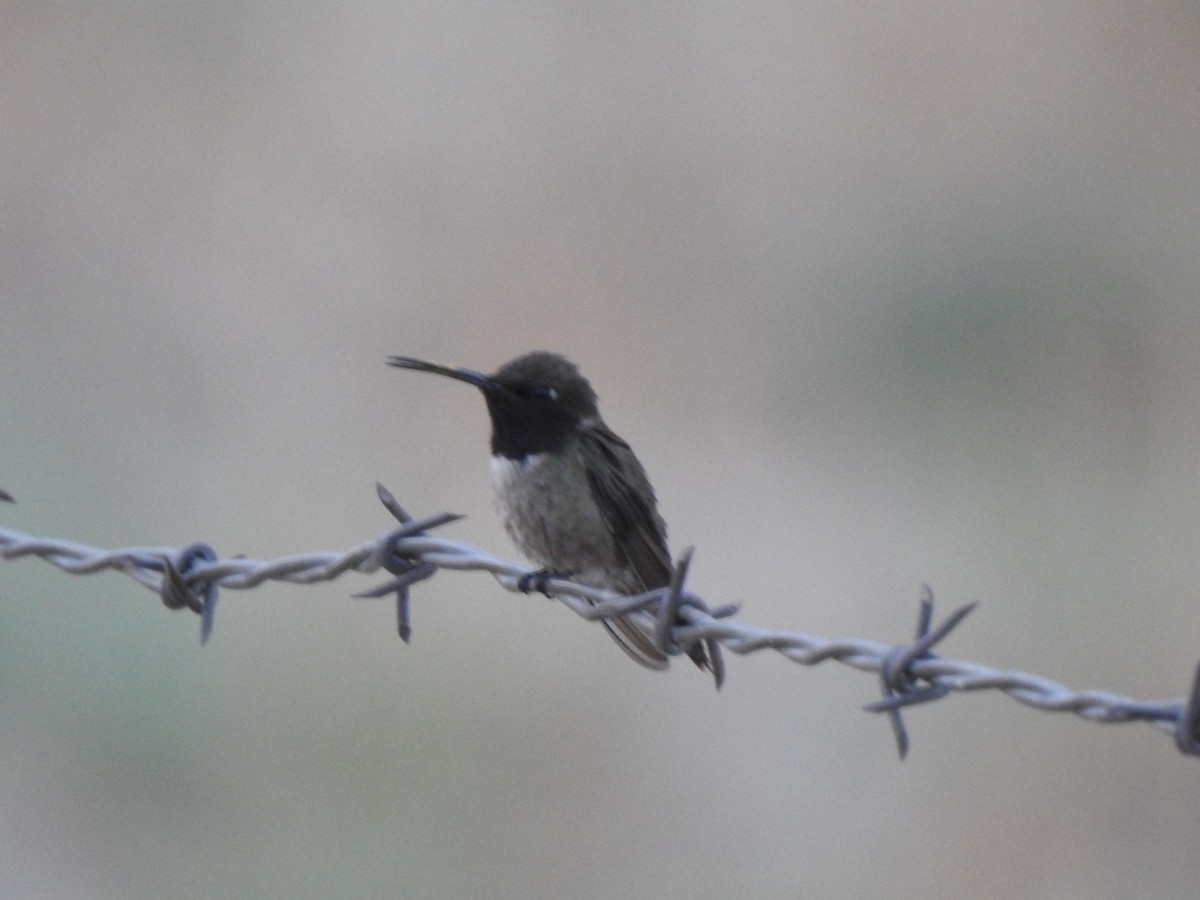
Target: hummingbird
570,493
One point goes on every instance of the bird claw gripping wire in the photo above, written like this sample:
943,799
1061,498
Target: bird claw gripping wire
392,559
198,594
901,686
538,581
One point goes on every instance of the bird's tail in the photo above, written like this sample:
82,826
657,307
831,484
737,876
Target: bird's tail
640,647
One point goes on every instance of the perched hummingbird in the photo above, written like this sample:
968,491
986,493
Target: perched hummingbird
571,494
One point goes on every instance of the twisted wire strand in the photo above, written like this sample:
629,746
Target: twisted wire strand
909,673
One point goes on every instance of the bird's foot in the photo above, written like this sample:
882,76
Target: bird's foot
535,582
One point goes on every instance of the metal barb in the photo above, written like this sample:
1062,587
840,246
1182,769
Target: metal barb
896,677
399,586
415,572
175,592
1187,729
181,589
668,609
403,623
668,616
390,503
392,557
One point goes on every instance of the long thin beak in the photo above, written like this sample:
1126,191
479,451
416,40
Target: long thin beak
478,379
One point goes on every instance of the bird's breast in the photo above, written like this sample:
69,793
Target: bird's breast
545,503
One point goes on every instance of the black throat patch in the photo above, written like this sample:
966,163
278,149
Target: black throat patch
519,431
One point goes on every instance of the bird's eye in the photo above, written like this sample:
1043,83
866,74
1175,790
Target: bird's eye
543,392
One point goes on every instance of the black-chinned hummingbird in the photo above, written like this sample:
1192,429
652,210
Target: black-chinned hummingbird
571,494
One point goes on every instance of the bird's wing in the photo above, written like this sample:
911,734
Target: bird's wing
626,500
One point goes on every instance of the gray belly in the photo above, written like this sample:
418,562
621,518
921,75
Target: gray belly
547,509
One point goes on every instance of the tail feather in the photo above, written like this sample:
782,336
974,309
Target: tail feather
634,641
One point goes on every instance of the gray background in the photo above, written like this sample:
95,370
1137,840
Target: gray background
881,294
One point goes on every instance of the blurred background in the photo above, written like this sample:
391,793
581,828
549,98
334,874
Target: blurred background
882,294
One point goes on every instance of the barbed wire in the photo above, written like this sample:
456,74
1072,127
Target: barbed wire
909,673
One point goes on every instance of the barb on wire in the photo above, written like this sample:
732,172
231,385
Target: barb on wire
909,673
407,571
900,684
1187,730
199,595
